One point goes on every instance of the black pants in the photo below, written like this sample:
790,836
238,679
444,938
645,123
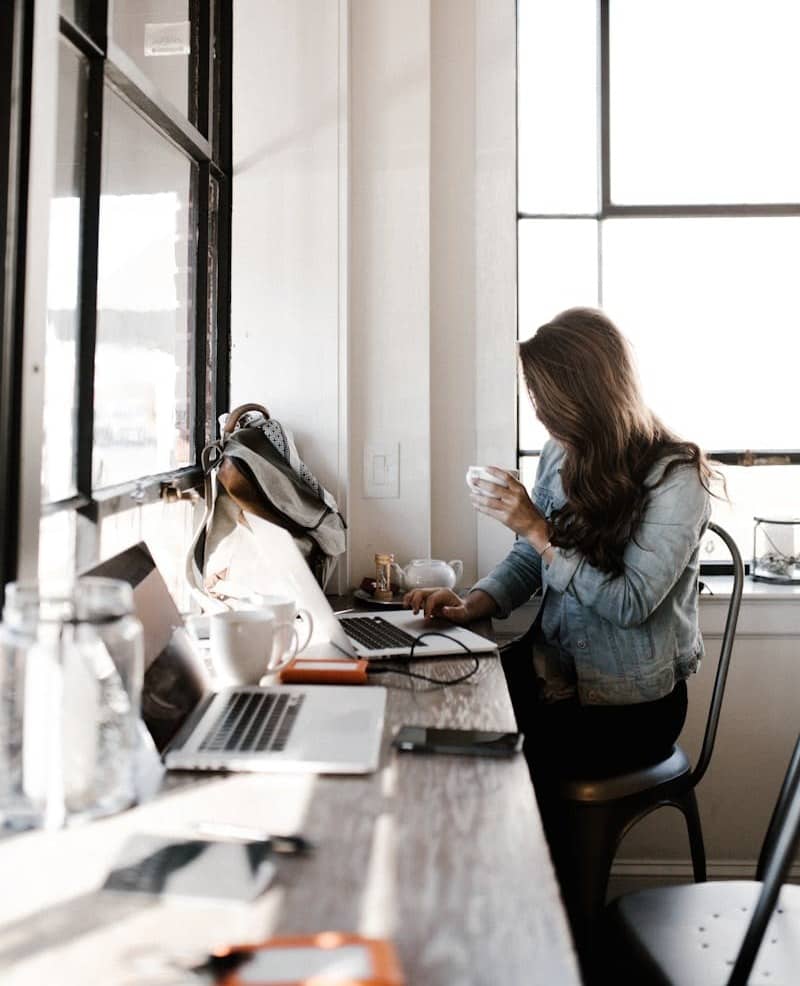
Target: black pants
567,739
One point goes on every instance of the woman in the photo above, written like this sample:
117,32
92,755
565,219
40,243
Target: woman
611,535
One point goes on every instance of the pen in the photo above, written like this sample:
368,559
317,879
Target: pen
288,844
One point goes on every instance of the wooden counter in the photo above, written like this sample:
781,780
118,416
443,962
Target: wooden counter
444,855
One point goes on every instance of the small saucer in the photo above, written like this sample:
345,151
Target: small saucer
396,602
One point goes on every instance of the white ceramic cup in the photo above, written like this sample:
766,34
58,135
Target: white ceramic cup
244,645
288,614
481,472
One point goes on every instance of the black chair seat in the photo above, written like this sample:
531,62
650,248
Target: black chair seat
673,768
690,935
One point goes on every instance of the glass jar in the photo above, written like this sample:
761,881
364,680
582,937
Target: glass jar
77,660
776,550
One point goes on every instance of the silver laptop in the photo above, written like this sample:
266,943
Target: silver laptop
309,728
280,569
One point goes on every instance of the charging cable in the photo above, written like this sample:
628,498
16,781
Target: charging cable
380,667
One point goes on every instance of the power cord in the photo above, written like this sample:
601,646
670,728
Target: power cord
381,667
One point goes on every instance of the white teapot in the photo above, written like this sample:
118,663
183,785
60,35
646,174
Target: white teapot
428,573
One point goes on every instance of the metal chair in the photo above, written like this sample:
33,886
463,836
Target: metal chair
710,934
594,815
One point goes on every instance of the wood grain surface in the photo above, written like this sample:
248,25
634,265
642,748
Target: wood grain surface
443,854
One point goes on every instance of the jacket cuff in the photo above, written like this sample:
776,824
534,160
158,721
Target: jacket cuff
494,588
562,568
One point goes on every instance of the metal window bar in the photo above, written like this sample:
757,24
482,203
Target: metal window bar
16,54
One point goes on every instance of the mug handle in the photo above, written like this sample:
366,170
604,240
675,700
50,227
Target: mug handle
287,659
304,615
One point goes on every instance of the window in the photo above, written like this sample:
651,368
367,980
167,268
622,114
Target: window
659,177
136,347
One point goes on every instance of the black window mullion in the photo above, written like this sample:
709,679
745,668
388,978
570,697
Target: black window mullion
200,65
82,41
605,109
222,346
90,238
98,21
222,109
86,531
202,316
16,60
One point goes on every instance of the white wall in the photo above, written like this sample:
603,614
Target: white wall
411,341
389,275
287,348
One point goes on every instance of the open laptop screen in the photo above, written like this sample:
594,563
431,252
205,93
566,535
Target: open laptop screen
175,677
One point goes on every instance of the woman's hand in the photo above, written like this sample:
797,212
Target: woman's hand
437,602
512,506
445,603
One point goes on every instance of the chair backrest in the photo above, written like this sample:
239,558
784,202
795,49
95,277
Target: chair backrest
780,847
726,647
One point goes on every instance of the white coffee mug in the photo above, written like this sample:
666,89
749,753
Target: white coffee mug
244,645
287,614
482,473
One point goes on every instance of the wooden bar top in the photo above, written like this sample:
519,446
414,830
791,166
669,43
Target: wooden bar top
444,855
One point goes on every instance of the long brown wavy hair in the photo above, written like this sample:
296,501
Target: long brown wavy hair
582,383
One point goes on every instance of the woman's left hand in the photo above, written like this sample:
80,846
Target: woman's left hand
511,505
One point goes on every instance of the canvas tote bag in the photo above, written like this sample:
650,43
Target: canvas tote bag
255,467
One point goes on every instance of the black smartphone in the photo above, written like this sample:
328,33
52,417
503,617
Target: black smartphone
468,742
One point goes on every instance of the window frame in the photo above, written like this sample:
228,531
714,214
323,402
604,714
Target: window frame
16,72
210,104
607,209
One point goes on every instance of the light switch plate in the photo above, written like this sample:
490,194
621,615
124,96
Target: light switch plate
381,470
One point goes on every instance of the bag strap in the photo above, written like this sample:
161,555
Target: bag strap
209,460
233,417
210,457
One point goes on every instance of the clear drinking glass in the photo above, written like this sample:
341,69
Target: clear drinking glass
71,687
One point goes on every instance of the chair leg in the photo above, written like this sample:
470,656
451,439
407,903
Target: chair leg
688,805
583,856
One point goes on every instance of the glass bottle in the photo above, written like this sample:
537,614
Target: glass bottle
81,679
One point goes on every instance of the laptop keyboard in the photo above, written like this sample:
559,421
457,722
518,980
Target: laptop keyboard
254,722
376,633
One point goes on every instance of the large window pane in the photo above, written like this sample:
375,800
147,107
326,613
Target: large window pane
713,309
57,546
557,269
147,256
157,35
703,101
63,280
167,529
557,108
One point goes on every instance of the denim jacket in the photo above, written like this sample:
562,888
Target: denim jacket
620,639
